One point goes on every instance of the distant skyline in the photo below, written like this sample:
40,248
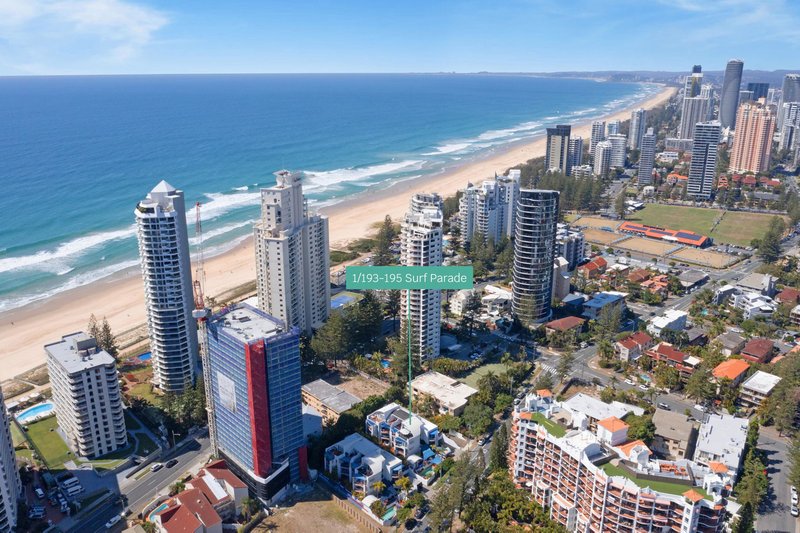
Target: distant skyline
47,37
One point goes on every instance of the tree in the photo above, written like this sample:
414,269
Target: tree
477,418
619,205
383,241
106,341
393,306
641,427
769,246
148,527
332,340
564,367
177,487
700,385
498,449
92,329
379,486
403,483
249,508
666,377
378,508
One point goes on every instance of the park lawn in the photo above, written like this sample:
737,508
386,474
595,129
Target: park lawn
738,227
145,445
661,486
16,435
51,446
144,391
696,219
472,378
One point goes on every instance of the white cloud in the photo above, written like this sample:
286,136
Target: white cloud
38,31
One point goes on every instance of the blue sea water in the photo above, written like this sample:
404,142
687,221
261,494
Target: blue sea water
77,153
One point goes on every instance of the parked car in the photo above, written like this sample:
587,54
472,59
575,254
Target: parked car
794,498
662,405
644,387
39,493
795,511
629,381
700,408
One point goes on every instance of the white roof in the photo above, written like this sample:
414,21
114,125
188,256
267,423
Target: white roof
597,409
723,436
761,382
446,390
163,187
76,353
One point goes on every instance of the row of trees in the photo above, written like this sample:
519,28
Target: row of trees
103,335
353,329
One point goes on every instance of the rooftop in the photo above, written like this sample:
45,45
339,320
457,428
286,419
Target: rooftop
758,347
333,397
672,425
602,299
613,424
731,369
78,352
597,409
691,277
246,323
446,390
723,436
730,340
565,324
761,382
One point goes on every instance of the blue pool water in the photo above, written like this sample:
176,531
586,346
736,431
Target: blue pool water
156,511
340,300
145,356
385,363
31,413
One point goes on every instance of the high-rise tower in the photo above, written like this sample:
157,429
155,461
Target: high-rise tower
292,261
704,159
647,157
166,270
729,98
755,125
557,155
534,252
638,119
598,135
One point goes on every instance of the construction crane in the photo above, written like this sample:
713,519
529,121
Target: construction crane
200,314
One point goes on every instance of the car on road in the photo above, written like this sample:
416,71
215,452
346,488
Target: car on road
700,408
39,493
481,441
156,467
795,511
794,498
662,405
114,520
629,381
644,387
171,463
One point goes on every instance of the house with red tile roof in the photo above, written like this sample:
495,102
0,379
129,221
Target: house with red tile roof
788,296
733,369
569,323
594,268
758,350
639,275
631,348
666,353
188,512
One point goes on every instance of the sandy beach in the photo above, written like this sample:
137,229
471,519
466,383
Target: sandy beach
121,299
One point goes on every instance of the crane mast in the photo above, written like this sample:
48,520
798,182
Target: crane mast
201,313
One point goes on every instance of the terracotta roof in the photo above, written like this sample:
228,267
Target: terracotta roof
219,470
639,275
196,502
717,468
788,295
565,324
667,351
731,369
641,337
202,484
628,343
613,424
179,519
595,264
544,393
526,415
628,446
759,349
692,495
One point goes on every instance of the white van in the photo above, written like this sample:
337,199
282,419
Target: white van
71,482
72,491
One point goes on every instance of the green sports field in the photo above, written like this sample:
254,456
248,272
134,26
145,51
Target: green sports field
736,227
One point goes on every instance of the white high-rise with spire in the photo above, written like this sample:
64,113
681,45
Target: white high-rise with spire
166,271
292,261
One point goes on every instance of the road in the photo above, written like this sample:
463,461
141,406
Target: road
774,517
140,492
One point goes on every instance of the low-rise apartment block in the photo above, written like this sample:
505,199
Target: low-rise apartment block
402,432
86,395
757,388
721,440
450,395
672,319
328,400
632,347
675,435
359,462
666,353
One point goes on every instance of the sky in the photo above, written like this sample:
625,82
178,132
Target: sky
54,37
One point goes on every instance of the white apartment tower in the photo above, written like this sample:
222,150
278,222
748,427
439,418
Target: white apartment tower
789,118
598,135
613,128
86,395
166,270
647,157
602,158
694,110
556,157
10,485
618,142
534,253
704,159
489,209
421,245
292,262
638,119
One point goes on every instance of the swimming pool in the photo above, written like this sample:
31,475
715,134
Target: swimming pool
340,300
145,356
31,414
157,510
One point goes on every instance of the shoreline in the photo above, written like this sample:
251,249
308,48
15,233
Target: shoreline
119,298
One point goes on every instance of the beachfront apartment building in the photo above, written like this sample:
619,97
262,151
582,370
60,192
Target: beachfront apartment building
703,167
757,388
598,135
693,110
421,245
618,143
534,253
597,480
755,125
360,463
169,297
402,432
602,159
450,395
637,128
86,395
556,157
488,209
575,153
256,398
647,157
292,256
11,489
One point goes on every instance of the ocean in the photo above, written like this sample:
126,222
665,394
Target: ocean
77,153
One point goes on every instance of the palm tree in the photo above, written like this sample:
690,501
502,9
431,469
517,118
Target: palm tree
403,483
379,486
